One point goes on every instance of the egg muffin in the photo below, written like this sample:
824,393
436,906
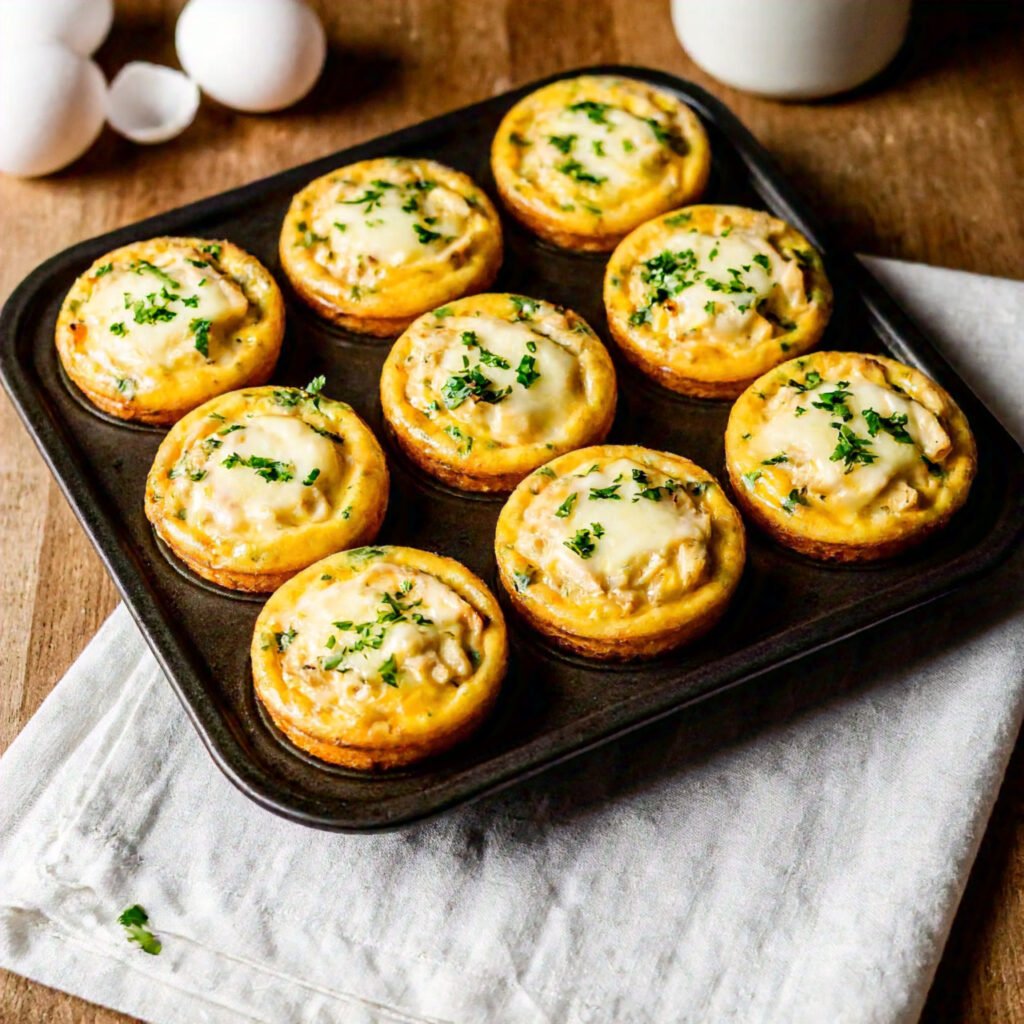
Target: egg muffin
848,457
373,245
583,161
484,390
377,657
707,298
257,484
619,552
155,328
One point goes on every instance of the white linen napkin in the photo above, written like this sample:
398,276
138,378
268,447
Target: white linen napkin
793,851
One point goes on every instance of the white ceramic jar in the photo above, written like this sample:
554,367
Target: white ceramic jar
791,49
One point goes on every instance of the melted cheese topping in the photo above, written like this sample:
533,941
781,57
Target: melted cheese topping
176,310
388,639
619,532
598,154
505,381
581,153
360,230
841,446
231,490
733,290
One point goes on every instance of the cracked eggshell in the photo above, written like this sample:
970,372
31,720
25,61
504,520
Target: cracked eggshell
150,103
81,25
264,58
52,107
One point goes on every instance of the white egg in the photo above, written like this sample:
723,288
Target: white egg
264,57
150,103
81,25
52,106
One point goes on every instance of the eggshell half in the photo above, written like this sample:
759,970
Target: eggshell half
149,103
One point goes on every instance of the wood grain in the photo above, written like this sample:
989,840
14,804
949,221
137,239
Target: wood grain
926,164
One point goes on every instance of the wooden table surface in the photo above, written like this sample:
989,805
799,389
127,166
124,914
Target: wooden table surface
927,164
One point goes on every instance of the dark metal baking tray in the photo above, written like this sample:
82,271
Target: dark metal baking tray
552,706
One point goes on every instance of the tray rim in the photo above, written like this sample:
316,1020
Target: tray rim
177,660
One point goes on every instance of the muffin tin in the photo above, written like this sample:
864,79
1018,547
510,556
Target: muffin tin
553,706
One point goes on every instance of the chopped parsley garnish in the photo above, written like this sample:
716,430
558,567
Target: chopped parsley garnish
525,308
563,511
389,672
761,260
425,235
145,267
150,310
597,112
752,477
200,329
464,440
134,920
471,383
290,397
282,641
490,359
811,381
795,498
563,143
710,307
311,477
851,449
308,237
119,329
126,385
582,542
678,219
522,580
894,425
575,170
609,493
105,269
213,249
650,493
270,470
442,311
370,199
526,372
517,140
667,137
834,402
546,471
775,460
370,635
